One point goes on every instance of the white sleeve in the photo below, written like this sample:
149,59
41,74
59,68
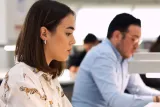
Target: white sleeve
24,95
20,94
64,99
66,102
137,86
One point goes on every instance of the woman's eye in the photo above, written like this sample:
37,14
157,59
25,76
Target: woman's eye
133,39
68,34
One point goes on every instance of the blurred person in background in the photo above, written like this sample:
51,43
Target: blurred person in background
103,74
75,60
153,82
90,41
43,45
156,46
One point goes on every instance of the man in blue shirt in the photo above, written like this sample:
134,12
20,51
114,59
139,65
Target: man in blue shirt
103,74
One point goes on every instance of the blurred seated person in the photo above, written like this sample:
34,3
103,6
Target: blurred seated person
103,74
76,59
153,82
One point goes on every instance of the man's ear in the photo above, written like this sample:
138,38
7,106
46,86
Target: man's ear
116,35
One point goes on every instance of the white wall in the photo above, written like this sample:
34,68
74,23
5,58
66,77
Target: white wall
150,19
3,39
12,12
16,12
96,20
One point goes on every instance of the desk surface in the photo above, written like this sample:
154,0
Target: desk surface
66,79
153,105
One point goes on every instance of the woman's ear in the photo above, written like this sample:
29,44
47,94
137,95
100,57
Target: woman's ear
44,33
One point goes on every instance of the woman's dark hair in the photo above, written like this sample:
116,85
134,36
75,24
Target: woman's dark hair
29,47
156,46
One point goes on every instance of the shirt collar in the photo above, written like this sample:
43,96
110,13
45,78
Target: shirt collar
39,73
118,55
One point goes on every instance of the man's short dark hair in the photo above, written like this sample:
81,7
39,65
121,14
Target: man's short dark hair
90,38
121,22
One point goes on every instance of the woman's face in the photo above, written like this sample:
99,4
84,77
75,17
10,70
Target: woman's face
59,43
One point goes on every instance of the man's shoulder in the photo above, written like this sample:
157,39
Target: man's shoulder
102,49
99,52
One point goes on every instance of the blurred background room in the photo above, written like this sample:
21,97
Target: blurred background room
92,17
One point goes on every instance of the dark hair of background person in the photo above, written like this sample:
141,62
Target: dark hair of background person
76,59
156,46
90,38
29,46
121,22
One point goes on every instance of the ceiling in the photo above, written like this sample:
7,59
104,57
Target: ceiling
102,2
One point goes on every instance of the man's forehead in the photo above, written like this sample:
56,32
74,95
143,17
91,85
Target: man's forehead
135,30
